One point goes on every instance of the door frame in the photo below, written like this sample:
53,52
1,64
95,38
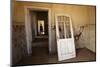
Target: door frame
27,9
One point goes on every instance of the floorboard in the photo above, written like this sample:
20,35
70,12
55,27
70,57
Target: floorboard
41,56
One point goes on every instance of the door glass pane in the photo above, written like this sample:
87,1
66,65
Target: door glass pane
61,30
67,26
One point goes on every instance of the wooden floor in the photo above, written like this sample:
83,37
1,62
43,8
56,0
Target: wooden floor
41,56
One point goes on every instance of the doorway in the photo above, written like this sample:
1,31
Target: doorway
37,23
39,28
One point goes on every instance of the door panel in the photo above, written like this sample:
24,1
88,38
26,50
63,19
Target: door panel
65,39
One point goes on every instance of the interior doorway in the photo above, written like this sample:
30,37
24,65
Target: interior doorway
39,30
44,34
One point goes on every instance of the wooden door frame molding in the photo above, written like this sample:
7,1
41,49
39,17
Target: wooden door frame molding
28,8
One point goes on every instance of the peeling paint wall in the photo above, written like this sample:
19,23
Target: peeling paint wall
90,37
19,47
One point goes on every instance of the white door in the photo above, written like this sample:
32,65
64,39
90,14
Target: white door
65,38
28,31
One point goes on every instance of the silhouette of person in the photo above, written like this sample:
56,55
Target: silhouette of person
41,28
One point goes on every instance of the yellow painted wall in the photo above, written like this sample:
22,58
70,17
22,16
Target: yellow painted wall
80,15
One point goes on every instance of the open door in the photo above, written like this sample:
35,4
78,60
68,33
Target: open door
65,38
